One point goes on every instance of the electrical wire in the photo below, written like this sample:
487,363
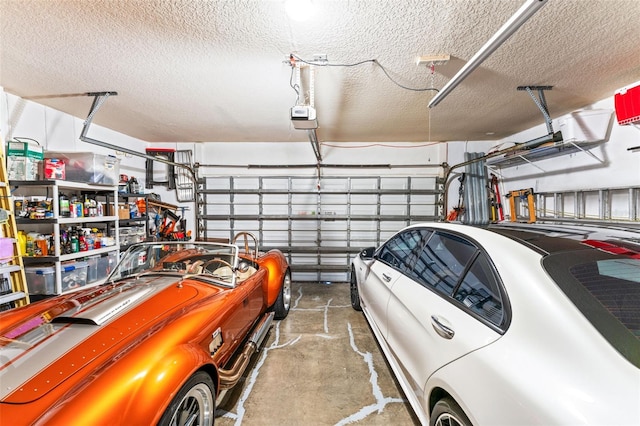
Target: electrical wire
295,87
355,64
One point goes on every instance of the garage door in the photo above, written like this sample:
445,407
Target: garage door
318,224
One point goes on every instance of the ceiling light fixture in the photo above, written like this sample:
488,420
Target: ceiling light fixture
511,26
299,10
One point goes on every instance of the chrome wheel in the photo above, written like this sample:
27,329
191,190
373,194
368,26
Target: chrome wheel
194,405
286,292
447,412
448,420
283,302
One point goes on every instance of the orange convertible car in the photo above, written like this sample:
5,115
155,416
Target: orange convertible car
174,324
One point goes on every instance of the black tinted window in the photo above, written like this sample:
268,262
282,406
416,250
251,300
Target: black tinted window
615,283
479,291
442,262
606,288
402,250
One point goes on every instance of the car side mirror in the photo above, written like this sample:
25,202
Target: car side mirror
367,253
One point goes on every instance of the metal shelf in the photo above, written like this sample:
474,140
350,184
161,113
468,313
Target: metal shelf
52,189
543,152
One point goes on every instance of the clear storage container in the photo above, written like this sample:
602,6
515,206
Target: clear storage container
41,279
88,167
73,275
92,268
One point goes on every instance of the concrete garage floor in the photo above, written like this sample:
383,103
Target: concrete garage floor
319,366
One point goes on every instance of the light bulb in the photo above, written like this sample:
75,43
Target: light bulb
299,10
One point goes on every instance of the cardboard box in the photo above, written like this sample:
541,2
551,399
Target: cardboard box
123,211
53,168
23,160
24,149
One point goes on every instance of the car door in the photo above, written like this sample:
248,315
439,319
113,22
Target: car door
427,327
391,261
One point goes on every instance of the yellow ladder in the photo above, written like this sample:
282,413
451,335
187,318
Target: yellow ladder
19,295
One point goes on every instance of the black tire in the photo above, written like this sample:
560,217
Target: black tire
283,302
195,403
447,412
355,295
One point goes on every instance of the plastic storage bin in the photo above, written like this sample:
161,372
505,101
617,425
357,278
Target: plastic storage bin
92,268
73,275
88,167
41,279
106,264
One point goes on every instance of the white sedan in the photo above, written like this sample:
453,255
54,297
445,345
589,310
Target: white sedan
510,324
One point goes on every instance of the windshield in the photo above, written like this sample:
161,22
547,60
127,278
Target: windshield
210,261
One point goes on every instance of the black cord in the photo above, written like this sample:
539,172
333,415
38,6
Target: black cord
19,139
355,64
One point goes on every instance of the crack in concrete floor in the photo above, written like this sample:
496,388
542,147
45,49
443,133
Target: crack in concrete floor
320,366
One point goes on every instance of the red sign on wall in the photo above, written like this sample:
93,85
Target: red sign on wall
627,104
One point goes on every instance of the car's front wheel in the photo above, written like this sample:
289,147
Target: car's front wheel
355,295
283,302
195,403
447,412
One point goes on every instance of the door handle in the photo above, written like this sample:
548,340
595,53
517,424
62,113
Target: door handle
386,277
441,329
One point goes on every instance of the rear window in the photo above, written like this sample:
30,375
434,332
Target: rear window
606,288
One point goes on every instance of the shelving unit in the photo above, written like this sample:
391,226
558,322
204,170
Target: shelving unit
543,152
141,221
53,225
153,207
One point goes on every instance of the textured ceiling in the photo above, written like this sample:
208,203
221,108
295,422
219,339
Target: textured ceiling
216,70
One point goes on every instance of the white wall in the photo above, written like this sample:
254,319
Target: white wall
614,167
57,131
388,159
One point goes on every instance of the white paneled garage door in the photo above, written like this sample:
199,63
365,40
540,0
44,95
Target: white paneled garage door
318,224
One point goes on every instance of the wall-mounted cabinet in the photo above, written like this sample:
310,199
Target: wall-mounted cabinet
70,228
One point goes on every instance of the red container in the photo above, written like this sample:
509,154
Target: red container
627,104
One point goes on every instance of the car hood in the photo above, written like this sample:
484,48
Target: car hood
47,349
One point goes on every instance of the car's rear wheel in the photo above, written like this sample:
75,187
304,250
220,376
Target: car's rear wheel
283,302
355,295
447,412
195,403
